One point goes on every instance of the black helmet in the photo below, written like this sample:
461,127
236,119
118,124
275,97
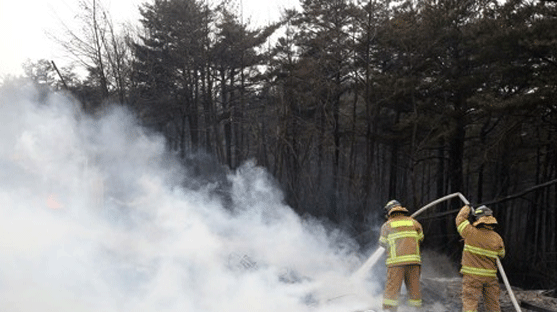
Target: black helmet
482,211
484,215
393,206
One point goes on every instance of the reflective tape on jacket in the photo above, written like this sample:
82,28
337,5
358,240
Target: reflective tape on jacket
394,236
400,223
481,251
402,234
478,271
393,257
461,226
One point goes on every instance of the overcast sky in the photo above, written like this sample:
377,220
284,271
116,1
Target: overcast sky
24,25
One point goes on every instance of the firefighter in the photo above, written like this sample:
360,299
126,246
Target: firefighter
482,246
401,236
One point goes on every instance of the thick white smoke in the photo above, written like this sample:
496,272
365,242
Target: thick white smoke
94,217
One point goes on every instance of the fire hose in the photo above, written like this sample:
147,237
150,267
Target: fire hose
370,262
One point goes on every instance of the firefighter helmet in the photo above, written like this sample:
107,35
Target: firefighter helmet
393,206
484,215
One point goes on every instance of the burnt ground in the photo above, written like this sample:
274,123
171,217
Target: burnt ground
441,288
443,294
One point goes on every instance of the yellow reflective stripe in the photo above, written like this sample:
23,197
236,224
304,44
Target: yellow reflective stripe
461,226
393,258
383,239
481,251
501,253
478,271
402,234
392,252
400,223
415,302
400,259
390,302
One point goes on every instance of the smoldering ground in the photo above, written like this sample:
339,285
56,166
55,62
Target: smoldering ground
96,215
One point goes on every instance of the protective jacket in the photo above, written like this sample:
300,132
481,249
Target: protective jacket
481,247
401,236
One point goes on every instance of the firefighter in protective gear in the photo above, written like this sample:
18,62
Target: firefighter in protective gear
482,246
401,236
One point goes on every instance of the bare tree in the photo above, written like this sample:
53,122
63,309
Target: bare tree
99,49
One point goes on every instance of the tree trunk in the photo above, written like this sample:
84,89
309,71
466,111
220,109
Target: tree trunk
193,114
227,122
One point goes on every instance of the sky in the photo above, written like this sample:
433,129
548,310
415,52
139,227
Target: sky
96,215
25,25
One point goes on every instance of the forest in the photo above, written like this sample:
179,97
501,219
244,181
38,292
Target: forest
348,104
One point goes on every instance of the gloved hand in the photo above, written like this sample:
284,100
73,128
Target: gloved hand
470,209
471,214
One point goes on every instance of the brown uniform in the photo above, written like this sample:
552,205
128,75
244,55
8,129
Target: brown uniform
482,246
401,236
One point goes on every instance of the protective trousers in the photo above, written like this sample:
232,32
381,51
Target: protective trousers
473,287
395,275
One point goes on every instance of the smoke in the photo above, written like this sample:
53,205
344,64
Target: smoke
96,215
